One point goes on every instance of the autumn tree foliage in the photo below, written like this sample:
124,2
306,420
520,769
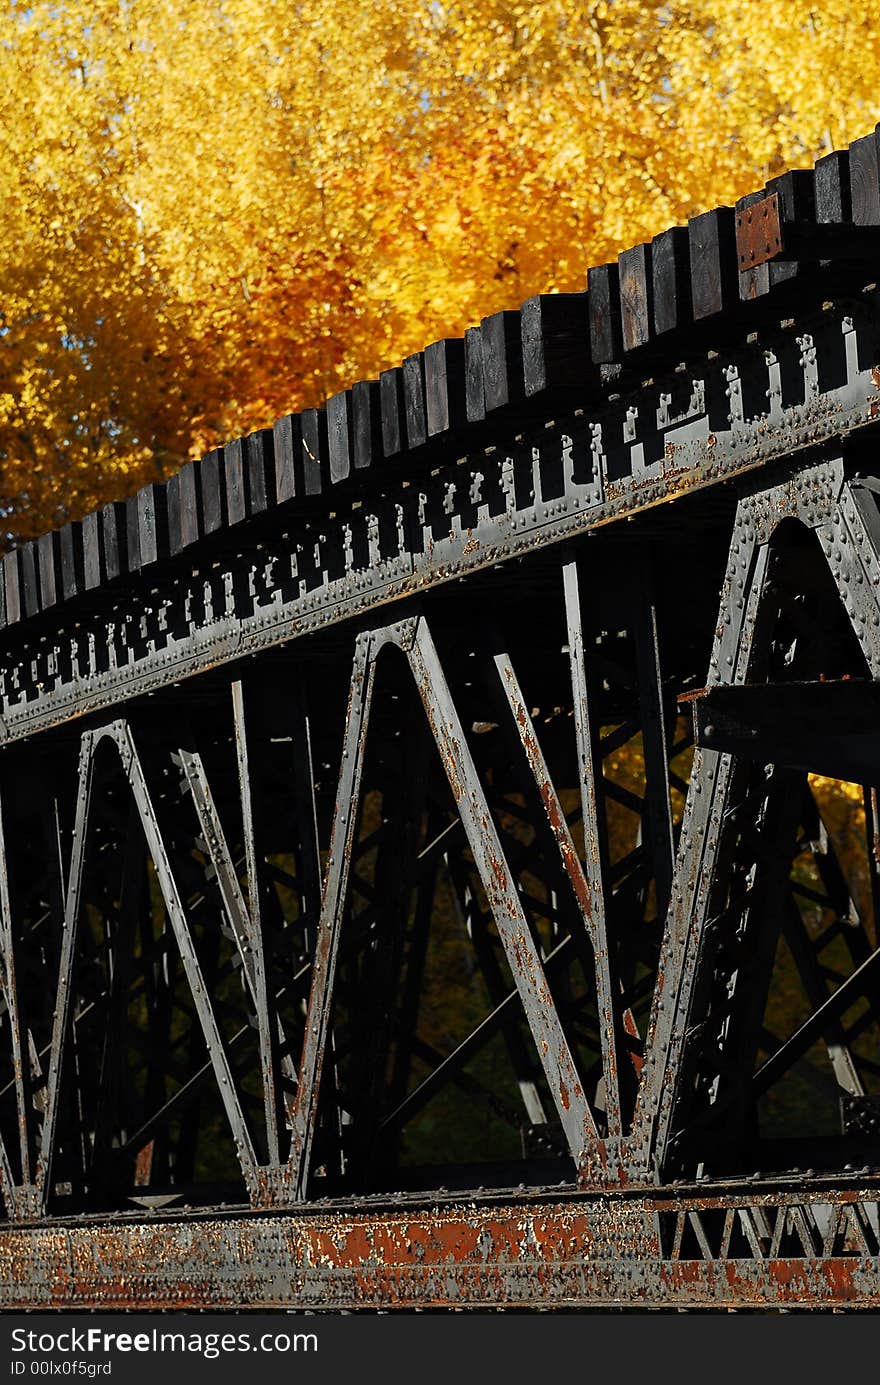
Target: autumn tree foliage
220,211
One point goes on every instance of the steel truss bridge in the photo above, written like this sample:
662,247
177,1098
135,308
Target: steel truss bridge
416,889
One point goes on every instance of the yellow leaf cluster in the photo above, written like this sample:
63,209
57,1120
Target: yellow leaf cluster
220,211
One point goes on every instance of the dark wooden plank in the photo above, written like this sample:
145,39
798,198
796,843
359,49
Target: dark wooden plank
113,540
12,587
606,339
189,516
864,180
503,381
416,425
832,192
636,292
91,542
391,397
49,563
445,405
555,333
671,275
714,262
233,481
831,188
132,534
795,191
213,495
339,429
287,442
70,544
30,582
366,413
172,504
475,393
313,452
152,524
753,281
259,470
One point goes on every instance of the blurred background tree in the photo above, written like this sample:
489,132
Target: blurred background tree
219,212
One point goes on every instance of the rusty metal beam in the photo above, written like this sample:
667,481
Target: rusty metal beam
595,850
523,958
119,733
247,930
660,1249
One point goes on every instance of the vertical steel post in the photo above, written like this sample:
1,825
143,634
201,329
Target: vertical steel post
332,909
589,777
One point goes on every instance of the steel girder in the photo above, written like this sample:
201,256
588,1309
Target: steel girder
308,566
677,1248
